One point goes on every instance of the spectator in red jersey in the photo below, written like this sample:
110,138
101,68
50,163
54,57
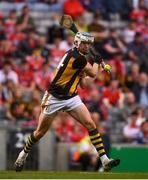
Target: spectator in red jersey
10,22
140,12
67,130
35,61
63,126
78,133
117,61
15,38
111,94
43,77
73,8
13,35
143,29
56,52
85,93
6,46
25,74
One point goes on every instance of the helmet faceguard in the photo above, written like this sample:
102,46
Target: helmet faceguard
83,37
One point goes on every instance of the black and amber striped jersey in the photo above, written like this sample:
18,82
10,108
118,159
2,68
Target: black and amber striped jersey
67,75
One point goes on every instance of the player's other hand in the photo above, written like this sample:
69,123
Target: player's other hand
107,68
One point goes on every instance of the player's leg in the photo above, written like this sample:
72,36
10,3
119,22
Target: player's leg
82,115
42,127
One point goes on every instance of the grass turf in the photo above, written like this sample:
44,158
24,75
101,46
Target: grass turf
69,175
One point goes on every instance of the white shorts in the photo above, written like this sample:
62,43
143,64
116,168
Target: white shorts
53,104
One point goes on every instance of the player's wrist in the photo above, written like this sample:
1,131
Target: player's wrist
96,62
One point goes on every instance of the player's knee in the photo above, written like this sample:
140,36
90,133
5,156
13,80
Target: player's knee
90,125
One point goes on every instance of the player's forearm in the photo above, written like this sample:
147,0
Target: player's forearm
87,80
90,70
95,69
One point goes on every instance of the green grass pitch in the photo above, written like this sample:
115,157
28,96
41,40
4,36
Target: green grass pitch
69,175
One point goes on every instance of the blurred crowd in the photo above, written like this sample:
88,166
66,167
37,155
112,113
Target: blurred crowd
118,102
